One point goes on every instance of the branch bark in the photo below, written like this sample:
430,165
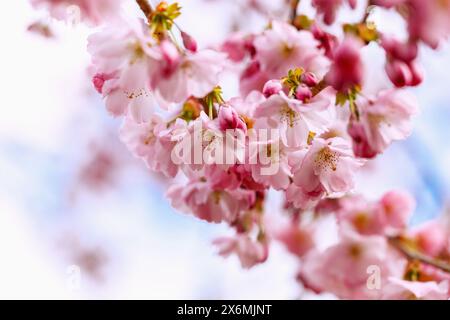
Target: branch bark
145,7
294,7
412,254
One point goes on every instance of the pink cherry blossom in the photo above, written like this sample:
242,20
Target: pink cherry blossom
296,119
390,215
397,207
226,178
328,8
301,199
342,269
328,164
93,11
432,237
347,70
124,58
203,142
298,239
434,23
238,46
303,123
282,47
150,141
206,203
385,119
270,165
249,252
398,289
366,217
246,106
196,75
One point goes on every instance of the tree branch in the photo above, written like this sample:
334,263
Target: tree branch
145,7
412,254
294,7
367,12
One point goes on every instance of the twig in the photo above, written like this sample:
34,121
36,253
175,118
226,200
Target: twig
146,7
294,7
367,13
412,254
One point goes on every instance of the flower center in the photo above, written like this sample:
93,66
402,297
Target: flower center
355,251
287,50
137,52
288,115
326,159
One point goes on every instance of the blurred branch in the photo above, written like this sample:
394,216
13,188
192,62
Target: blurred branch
367,12
145,7
412,254
294,7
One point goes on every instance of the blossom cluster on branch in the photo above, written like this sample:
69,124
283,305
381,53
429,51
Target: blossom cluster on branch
303,124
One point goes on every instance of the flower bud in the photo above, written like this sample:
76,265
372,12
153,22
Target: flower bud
189,42
98,81
347,70
229,119
303,93
417,74
399,73
309,79
272,87
395,49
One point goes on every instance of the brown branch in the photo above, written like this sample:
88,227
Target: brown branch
146,7
367,12
412,254
294,7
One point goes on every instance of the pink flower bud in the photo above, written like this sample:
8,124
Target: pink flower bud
229,119
303,93
347,70
98,81
395,49
272,87
417,74
399,73
309,79
189,42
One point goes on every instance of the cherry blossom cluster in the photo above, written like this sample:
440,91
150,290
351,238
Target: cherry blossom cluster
302,125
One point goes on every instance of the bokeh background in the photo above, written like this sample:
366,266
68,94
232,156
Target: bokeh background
81,218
